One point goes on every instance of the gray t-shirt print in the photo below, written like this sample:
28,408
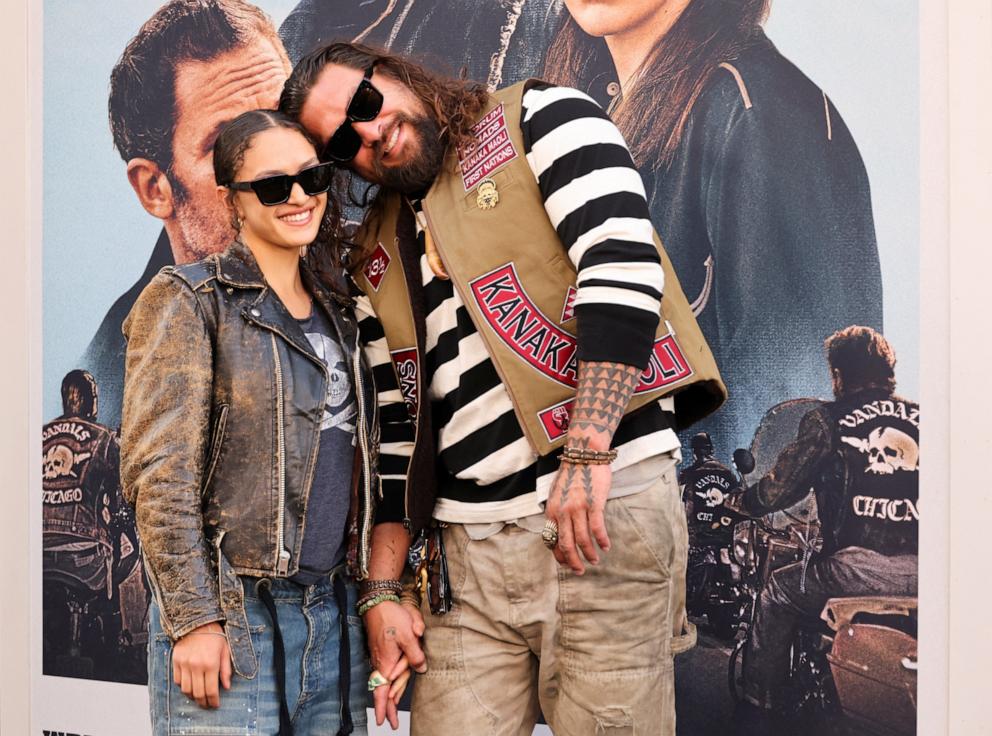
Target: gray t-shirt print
340,408
330,492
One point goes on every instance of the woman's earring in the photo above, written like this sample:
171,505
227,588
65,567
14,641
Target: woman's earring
303,251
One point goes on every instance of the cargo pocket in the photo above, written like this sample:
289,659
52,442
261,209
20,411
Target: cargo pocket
686,640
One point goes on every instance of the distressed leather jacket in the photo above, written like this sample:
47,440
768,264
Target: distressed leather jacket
223,399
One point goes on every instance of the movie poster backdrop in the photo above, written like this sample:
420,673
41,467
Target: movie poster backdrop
807,226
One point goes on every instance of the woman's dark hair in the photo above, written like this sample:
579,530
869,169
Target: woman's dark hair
653,113
324,255
454,103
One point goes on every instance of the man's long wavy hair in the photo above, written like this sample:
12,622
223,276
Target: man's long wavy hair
653,113
454,103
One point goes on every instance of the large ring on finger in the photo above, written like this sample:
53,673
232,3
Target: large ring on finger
549,534
377,679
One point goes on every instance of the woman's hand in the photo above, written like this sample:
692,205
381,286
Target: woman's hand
199,660
394,633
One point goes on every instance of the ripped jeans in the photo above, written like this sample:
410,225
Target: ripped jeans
593,652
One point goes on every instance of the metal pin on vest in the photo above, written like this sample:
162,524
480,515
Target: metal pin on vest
486,195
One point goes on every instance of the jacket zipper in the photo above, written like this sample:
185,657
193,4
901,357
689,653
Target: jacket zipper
363,440
282,564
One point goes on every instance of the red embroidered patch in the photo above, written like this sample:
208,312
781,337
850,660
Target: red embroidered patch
376,268
545,346
493,149
568,311
555,419
667,365
407,370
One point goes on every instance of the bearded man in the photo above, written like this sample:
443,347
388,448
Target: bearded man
531,378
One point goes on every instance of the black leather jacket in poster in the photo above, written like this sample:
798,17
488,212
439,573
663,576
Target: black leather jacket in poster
223,399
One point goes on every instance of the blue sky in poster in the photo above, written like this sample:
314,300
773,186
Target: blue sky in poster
97,238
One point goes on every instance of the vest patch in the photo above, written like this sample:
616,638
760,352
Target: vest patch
555,419
539,341
375,269
407,370
492,151
568,311
887,509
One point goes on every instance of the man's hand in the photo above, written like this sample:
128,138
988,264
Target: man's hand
393,632
578,496
199,660
577,502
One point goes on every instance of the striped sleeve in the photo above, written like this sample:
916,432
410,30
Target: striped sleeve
595,199
397,437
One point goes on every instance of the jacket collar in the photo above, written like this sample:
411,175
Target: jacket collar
236,266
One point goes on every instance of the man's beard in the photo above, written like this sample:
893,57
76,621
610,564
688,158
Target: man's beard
203,231
420,172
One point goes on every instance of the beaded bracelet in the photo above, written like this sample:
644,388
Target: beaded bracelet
367,604
584,456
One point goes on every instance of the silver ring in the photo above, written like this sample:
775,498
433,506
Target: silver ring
549,535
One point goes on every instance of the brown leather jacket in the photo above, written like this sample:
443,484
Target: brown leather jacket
223,399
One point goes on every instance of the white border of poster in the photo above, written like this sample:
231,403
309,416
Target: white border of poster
956,160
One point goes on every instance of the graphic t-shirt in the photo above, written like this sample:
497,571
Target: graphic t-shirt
330,493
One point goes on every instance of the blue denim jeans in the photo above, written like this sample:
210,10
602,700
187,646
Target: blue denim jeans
310,625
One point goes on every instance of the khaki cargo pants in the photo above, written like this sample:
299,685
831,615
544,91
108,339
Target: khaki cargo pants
593,652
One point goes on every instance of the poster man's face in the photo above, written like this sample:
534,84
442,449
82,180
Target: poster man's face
399,146
208,95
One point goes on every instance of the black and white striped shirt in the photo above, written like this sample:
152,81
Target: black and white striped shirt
595,199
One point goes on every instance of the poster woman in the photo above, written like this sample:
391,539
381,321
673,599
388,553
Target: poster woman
754,182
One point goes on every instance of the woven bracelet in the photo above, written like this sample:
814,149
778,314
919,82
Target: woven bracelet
367,604
410,595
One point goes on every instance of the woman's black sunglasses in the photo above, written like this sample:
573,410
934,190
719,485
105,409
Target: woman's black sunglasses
273,190
365,105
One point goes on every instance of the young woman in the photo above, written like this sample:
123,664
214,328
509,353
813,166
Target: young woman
755,185
250,454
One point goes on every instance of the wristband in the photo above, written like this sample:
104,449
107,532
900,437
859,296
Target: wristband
583,456
381,586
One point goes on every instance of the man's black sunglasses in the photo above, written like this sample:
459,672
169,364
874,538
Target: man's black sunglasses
365,105
273,190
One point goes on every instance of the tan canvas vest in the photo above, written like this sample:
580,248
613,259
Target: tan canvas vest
488,222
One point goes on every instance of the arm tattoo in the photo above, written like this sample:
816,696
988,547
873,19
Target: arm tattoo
603,393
